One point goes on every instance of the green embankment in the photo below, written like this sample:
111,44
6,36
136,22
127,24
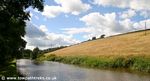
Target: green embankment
132,63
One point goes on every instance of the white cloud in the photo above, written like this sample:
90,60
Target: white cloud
108,24
74,7
36,10
61,39
51,11
101,24
140,4
141,24
33,32
117,3
132,4
40,37
43,28
98,19
128,14
127,25
31,14
98,24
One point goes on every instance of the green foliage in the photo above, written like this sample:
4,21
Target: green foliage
26,53
141,64
12,26
118,62
35,53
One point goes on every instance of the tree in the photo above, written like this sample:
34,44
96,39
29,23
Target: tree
102,36
93,38
26,53
36,51
13,15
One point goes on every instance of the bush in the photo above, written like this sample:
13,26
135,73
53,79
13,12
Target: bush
102,36
93,38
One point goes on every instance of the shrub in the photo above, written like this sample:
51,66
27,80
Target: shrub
93,38
102,36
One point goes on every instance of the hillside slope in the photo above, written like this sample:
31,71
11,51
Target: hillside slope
130,44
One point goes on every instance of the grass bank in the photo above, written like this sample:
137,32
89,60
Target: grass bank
137,63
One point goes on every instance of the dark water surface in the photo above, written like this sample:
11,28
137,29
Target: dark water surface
54,71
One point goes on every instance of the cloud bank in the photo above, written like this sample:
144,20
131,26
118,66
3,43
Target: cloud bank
74,7
40,37
108,24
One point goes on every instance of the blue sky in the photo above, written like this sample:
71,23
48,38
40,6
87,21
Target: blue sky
66,22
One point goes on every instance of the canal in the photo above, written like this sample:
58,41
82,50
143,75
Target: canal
54,71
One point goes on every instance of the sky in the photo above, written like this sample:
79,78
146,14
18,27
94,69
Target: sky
68,22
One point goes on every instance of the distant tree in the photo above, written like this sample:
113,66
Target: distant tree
26,53
35,53
50,50
102,36
13,15
93,38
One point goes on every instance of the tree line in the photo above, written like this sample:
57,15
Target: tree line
36,52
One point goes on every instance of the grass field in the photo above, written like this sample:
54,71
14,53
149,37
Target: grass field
130,44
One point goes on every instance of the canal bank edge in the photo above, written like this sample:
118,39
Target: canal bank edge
135,63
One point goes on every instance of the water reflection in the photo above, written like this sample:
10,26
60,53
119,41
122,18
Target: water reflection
63,72
37,62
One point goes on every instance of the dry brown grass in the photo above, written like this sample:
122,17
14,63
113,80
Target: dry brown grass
132,44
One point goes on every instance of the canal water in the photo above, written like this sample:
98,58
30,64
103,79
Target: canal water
54,71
